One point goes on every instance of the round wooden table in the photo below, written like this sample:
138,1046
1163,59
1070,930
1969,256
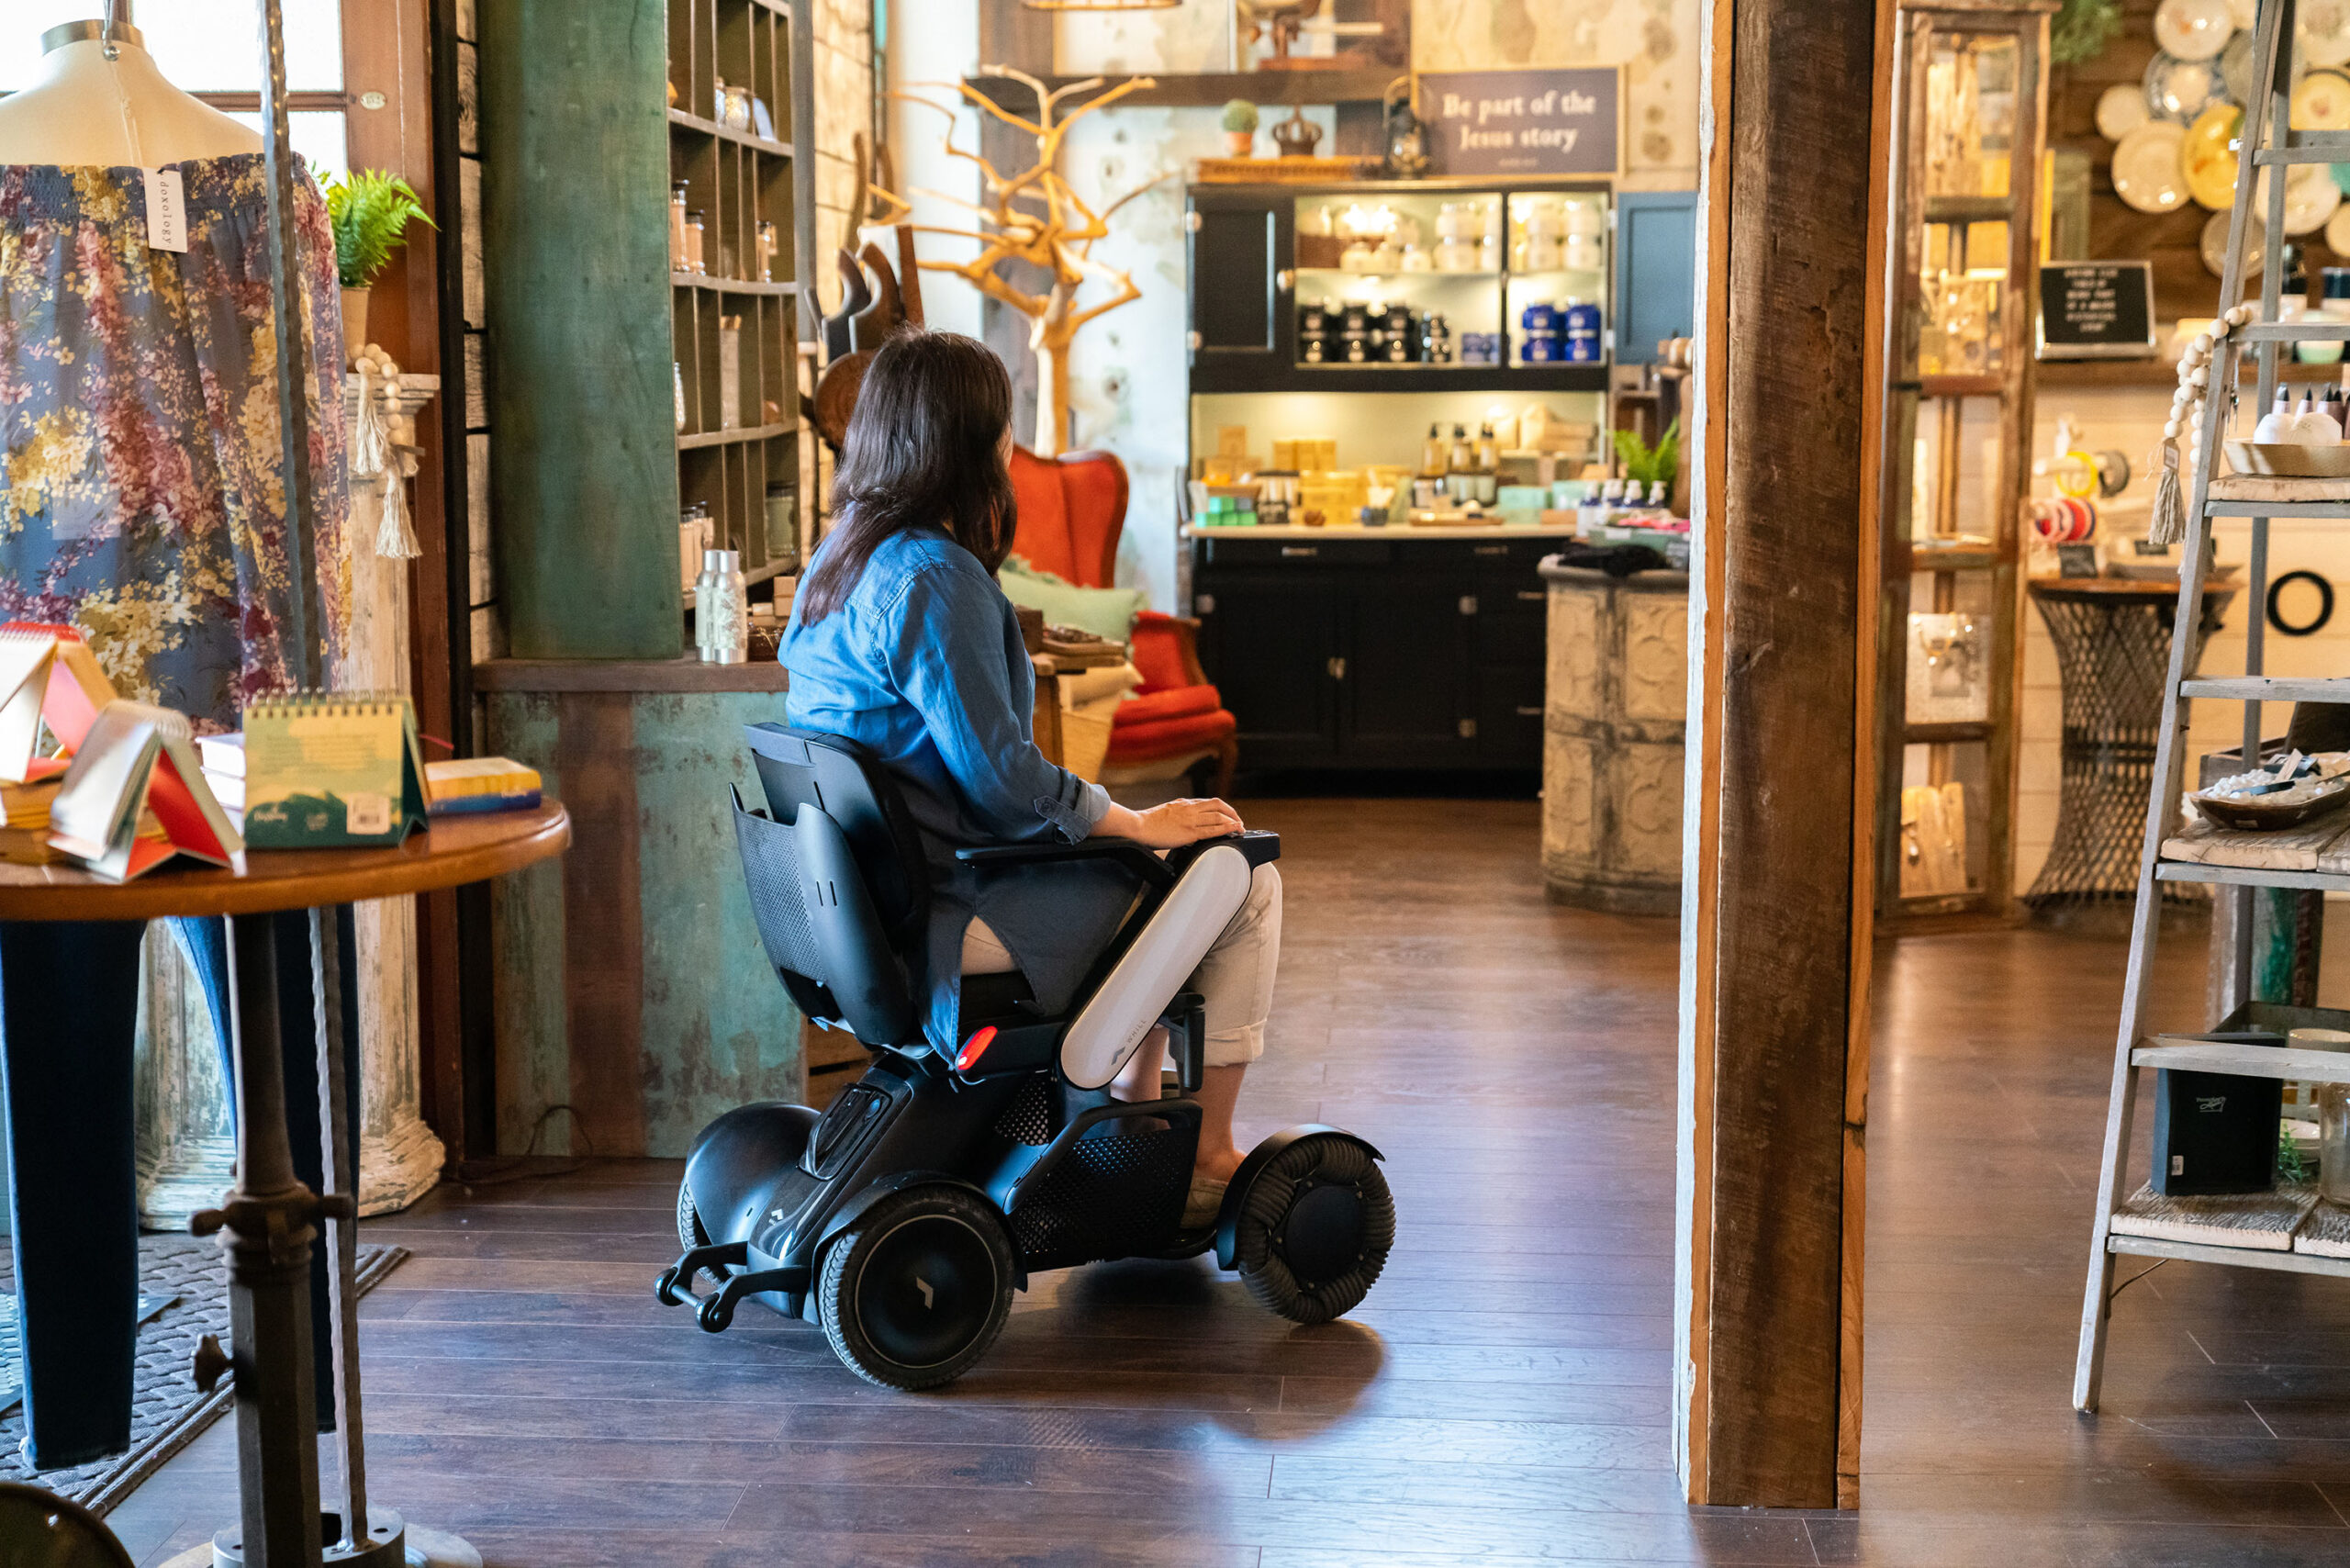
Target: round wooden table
268,1219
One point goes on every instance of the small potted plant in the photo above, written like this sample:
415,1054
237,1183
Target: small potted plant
1240,127
1645,464
370,211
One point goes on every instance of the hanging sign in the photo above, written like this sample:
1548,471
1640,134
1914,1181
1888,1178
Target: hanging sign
2097,310
1488,124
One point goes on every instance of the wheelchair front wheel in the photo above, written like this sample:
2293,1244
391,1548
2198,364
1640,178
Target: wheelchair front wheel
1314,1228
916,1289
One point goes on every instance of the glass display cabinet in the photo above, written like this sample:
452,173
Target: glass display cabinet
1961,256
1401,286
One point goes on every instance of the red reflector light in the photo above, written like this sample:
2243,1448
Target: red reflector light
975,1048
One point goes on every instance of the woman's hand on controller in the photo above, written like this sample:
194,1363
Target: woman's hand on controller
1172,825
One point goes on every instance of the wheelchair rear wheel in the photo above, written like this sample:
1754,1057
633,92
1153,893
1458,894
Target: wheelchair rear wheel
916,1289
1314,1228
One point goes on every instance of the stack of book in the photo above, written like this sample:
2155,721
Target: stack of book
23,841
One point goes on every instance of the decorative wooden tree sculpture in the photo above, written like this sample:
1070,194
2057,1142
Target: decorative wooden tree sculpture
1034,217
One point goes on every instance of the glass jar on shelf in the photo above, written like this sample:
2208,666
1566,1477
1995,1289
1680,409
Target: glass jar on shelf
696,236
766,251
678,237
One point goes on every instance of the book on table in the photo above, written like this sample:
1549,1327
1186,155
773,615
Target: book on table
135,795
48,677
327,769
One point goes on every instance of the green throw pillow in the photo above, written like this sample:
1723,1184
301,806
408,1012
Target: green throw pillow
1105,613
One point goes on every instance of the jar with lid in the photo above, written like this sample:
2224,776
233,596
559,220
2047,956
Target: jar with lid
695,230
783,527
2333,1142
677,238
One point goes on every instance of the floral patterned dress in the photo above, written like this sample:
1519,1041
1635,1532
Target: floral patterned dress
142,482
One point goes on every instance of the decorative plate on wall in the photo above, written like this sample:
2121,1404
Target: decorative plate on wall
2337,230
2323,34
2194,30
2215,245
2121,109
2146,167
2208,156
2322,102
2310,197
2180,89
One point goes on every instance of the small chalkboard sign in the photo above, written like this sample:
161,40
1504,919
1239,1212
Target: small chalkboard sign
2097,310
2077,561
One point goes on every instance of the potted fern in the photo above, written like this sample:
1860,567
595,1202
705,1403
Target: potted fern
1646,464
370,211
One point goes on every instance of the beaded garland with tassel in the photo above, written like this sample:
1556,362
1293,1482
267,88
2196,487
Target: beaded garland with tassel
378,453
2189,406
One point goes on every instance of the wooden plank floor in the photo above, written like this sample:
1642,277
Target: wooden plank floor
1502,1398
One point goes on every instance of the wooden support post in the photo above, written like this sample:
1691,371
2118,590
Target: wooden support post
1780,830
575,231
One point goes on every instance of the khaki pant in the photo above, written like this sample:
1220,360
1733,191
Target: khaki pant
1235,978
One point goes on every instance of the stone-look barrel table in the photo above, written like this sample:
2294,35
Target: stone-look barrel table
1614,697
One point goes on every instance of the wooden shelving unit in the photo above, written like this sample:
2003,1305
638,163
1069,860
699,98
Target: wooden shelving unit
1958,375
2288,1229
741,424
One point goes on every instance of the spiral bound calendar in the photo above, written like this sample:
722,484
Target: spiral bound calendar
331,769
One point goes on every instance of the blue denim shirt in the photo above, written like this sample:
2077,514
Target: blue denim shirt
923,664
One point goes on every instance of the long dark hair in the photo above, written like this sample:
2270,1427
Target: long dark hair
921,452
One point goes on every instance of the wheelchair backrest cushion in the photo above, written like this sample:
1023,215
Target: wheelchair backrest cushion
848,783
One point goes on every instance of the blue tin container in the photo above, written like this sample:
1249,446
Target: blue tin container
1579,317
1539,317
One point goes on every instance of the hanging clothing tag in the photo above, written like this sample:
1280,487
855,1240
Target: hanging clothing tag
166,213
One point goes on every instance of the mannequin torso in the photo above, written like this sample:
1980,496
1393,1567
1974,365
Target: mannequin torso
84,108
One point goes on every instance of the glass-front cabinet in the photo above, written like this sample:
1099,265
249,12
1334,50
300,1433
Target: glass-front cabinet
1970,101
1401,286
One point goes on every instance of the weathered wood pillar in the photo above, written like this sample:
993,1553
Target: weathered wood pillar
1779,830
575,249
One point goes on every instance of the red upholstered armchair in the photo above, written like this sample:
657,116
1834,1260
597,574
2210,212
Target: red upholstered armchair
1072,509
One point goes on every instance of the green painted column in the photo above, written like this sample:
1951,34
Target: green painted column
576,252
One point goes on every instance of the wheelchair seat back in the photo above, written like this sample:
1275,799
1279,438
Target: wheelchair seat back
837,880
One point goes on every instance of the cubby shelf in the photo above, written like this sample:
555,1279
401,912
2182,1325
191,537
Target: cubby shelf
731,285
736,337
685,120
731,438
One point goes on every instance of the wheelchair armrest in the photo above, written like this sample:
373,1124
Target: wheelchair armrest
1257,846
1135,858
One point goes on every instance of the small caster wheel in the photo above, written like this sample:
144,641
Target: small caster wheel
716,1313
664,1289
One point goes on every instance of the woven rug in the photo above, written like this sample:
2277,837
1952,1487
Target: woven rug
183,1280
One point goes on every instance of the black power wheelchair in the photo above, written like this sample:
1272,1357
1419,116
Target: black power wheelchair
904,1216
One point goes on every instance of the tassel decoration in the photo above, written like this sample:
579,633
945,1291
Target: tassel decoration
396,538
2189,406
371,439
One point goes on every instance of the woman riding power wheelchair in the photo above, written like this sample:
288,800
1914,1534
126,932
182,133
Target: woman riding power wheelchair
1020,953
